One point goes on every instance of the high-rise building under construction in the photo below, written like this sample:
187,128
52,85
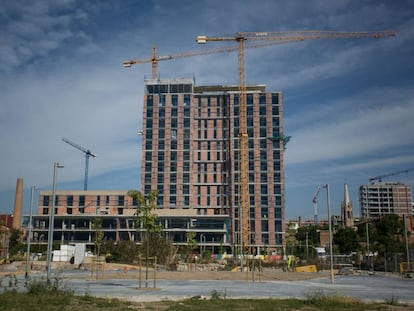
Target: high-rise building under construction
190,155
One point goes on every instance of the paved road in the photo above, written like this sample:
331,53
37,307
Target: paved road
367,288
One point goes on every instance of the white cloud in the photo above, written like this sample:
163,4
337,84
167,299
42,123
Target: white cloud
344,133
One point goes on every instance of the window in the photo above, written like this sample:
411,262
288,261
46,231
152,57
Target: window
81,200
275,99
46,200
187,122
174,123
98,200
121,200
160,178
150,101
161,133
174,100
265,238
187,100
277,189
249,99
69,200
161,112
173,134
162,99
249,121
265,226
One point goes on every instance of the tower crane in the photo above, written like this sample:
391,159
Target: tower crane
87,153
380,177
154,59
315,205
283,36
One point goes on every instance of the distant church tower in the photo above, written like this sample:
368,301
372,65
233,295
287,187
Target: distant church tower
346,209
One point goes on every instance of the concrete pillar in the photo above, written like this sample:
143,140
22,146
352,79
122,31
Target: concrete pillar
18,201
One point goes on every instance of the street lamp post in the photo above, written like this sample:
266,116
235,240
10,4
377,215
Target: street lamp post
29,233
51,220
330,232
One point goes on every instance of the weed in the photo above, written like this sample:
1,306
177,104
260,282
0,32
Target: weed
11,282
216,295
393,300
45,286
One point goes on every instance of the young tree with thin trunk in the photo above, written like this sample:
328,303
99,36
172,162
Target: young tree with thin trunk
146,219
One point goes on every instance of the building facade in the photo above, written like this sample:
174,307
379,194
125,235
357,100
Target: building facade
190,155
384,198
77,211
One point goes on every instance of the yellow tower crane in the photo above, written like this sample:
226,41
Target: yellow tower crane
154,59
280,37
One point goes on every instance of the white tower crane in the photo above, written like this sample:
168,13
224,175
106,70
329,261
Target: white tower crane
315,205
87,153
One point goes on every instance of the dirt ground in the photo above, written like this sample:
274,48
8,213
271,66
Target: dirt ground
122,271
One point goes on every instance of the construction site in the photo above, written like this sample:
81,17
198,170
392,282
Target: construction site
213,153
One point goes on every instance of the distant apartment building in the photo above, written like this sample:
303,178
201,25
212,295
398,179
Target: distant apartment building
190,155
384,198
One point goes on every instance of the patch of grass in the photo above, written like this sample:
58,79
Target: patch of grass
52,295
323,303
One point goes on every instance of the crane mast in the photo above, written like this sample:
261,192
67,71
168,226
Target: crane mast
280,37
87,153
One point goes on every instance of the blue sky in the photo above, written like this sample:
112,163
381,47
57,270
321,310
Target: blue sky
348,104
